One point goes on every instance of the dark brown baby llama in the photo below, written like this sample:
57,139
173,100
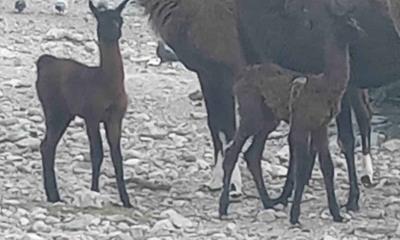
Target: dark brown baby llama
268,93
67,88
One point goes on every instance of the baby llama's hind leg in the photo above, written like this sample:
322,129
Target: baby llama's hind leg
56,124
322,144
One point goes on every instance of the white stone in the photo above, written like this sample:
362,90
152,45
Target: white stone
87,198
31,143
133,154
283,153
231,227
267,215
139,230
16,83
132,162
162,226
39,213
276,170
392,145
59,34
154,62
24,221
32,236
179,141
177,219
198,115
202,164
328,237
40,226
51,220
218,236
7,212
80,223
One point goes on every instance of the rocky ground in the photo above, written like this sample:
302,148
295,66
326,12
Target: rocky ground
166,148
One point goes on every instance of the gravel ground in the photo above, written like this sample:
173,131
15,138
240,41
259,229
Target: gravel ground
166,147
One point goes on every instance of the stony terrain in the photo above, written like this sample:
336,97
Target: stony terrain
166,147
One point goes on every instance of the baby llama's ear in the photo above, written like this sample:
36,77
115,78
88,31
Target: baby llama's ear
121,6
93,8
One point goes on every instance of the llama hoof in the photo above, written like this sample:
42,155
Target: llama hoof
223,211
367,181
267,203
338,218
283,201
352,206
296,225
95,189
127,205
295,222
223,204
268,206
53,199
56,201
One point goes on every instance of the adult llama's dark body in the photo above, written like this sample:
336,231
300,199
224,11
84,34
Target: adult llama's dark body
67,88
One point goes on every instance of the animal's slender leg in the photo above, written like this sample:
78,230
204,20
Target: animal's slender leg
96,151
346,138
253,158
55,127
302,166
313,153
230,160
113,133
216,86
360,104
236,183
253,114
289,182
326,165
